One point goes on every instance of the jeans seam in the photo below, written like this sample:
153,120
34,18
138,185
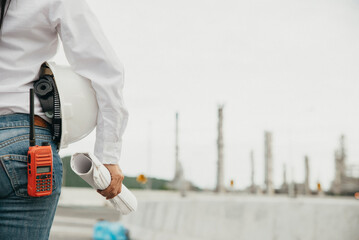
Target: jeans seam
9,176
22,138
15,157
22,126
13,180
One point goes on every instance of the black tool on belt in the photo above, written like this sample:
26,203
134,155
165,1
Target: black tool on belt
46,90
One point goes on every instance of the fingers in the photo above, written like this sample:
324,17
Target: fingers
109,192
115,186
113,190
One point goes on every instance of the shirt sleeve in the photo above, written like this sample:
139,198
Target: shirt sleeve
91,56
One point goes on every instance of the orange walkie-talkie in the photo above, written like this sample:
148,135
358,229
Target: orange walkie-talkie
39,162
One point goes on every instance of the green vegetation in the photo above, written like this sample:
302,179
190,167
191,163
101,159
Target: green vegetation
70,179
158,184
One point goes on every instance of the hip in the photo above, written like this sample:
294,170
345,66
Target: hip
14,145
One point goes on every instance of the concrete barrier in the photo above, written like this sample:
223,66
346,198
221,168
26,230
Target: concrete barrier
166,216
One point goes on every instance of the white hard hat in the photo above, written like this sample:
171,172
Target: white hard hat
78,104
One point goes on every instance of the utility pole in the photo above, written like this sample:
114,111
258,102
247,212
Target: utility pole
220,168
285,183
253,185
284,188
292,192
268,156
306,182
178,164
149,156
340,166
178,182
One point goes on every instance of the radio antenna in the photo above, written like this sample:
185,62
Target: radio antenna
32,127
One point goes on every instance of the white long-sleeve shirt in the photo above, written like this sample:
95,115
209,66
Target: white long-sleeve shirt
29,37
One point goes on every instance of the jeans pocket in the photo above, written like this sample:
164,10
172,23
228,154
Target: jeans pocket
16,169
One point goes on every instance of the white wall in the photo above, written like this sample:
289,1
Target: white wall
233,217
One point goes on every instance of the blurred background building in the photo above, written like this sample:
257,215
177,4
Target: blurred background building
346,179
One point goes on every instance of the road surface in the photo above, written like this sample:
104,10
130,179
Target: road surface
77,222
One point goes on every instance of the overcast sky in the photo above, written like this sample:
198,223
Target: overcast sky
285,66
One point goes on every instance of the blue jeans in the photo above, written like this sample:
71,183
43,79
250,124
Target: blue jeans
21,216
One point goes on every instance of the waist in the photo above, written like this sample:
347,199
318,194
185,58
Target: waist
21,120
17,102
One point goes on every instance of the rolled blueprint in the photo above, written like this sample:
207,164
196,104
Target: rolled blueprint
90,169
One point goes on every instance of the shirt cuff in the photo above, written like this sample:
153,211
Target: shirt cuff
109,153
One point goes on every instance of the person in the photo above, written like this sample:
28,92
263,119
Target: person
29,36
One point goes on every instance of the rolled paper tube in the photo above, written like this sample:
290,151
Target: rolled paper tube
90,169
